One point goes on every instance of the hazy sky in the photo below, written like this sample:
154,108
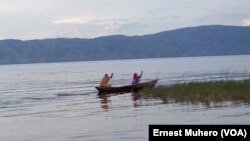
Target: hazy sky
38,19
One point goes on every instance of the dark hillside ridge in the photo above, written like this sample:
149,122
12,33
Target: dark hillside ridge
193,41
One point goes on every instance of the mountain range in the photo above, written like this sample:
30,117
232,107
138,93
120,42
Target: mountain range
209,40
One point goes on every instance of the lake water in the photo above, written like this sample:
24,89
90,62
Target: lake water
58,101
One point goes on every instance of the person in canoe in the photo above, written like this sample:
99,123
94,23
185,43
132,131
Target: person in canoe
105,80
136,78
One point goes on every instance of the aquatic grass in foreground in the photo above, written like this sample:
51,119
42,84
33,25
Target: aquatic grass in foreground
211,91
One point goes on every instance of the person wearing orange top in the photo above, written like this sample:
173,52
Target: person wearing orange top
105,80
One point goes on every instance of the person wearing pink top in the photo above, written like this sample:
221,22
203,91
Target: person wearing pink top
136,78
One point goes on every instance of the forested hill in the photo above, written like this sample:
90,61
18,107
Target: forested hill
193,41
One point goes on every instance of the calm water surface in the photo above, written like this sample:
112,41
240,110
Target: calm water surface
58,101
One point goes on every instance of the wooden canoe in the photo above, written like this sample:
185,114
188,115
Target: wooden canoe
127,88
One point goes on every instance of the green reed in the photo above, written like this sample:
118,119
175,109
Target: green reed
210,91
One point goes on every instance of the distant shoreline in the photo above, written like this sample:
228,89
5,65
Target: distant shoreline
126,59
212,40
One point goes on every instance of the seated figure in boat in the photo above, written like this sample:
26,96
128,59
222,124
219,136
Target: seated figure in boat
136,78
105,80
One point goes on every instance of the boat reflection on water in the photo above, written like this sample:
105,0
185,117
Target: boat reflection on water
127,88
136,99
105,102
105,92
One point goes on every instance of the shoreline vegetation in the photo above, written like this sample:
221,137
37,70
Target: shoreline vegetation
204,92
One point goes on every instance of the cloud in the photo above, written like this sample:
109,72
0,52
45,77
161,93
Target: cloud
246,22
74,20
170,17
110,24
107,24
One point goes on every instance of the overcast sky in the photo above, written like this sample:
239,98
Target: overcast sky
39,19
